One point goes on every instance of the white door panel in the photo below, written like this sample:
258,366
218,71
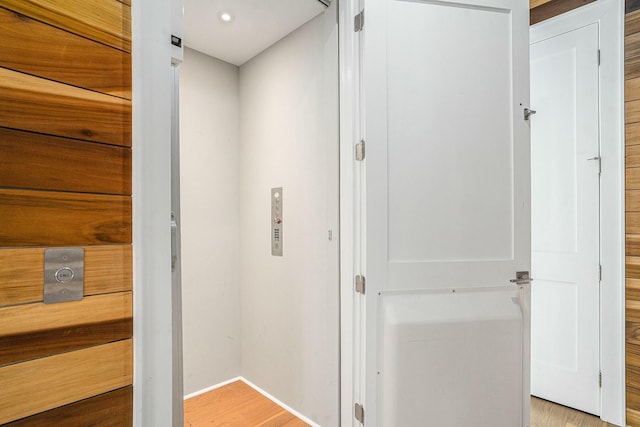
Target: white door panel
446,206
565,220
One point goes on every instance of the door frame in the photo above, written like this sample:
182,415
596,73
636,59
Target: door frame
350,178
610,16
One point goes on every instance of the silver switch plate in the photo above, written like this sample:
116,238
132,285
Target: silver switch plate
276,221
63,275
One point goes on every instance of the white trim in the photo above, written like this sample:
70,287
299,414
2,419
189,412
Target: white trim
213,387
153,394
348,136
610,16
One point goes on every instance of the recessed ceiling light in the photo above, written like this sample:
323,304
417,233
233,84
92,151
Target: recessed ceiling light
226,17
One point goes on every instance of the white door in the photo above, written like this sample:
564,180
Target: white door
446,203
565,338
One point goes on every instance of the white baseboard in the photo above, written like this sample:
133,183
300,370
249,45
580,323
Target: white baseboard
259,390
213,387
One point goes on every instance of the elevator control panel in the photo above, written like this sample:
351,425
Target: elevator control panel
276,221
63,275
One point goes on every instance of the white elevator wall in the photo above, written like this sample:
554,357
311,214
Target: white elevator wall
273,320
289,139
210,207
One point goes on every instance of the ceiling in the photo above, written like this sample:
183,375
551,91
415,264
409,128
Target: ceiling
255,25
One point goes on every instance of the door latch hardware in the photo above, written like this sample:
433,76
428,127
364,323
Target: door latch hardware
528,113
522,278
599,160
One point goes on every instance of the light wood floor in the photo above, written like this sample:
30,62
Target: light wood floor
236,405
547,414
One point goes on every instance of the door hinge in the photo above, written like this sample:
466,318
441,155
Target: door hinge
600,379
360,284
600,272
358,21
599,57
360,151
359,413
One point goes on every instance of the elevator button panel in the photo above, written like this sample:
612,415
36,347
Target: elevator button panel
276,221
63,275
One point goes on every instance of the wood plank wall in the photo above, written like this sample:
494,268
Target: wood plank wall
632,191
65,181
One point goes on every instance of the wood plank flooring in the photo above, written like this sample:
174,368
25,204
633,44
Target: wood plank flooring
548,414
236,405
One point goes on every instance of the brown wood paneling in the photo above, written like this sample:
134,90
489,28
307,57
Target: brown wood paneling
536,3
65,57
632,336
632,134
632,68
631,5
37,330
632,245
113,409
633,377
106,269
106,21
632,156
41,218
31,160
632,89
632,111
42,384
632,23
633,289
40,105
633,416
632,178
633,200
632,222
554,8
632,56
633,267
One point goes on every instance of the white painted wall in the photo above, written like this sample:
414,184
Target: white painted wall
209,162
289,138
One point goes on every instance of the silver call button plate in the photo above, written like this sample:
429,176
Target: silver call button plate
63,275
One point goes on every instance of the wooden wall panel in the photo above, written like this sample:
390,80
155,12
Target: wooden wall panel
42,384
36,218
106,269
632,200
37,330
106,21
40,105
632,156
66,57
65,181
545,9
31,160
113,409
